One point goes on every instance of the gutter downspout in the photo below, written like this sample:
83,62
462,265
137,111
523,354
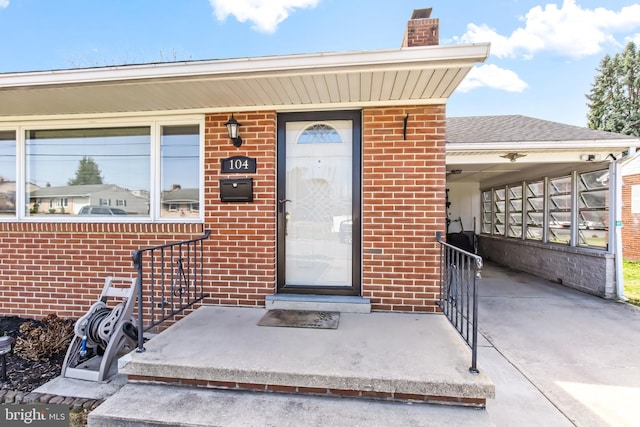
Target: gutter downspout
615,223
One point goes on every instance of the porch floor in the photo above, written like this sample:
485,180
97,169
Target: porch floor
207,368
389,356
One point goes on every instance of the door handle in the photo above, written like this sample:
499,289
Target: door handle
287,215
281,203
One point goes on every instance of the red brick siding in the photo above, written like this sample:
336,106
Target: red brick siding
243,250
630,221
60,268
403,206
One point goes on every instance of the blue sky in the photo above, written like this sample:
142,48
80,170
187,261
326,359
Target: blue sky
543,61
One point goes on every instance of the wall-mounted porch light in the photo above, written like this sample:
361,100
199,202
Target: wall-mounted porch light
232,128
512,157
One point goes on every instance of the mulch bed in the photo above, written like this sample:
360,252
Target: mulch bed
24,374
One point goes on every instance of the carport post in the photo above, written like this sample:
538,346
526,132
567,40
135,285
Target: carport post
615,224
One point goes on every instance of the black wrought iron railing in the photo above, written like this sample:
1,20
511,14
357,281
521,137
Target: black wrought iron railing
170,281
458,297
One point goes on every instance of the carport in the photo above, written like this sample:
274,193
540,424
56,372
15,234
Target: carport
540,197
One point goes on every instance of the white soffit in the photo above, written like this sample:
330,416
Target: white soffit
422,75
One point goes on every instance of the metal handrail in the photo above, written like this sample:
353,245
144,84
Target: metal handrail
458,296
175,274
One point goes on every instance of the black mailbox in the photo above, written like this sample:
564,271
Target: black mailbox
236,190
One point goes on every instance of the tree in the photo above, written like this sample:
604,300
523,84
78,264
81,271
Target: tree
614,100
88,172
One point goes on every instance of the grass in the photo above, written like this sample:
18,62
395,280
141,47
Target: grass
631,271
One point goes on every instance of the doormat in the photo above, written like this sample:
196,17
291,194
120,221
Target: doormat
301,319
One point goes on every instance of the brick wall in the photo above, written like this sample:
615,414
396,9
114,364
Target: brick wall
630,221
60,268
243,249
403,206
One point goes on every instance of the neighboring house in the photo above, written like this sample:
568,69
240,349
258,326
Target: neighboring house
356,136
181,202
8,196
631,208
70,199
541,196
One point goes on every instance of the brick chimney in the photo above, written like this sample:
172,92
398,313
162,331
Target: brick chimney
422,30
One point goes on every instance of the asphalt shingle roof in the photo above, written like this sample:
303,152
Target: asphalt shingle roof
70,190
516,128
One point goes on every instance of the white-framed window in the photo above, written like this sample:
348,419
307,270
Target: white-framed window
514,198
487,212
180,169
7,173
535,210
57,168
559,229
593,213
569,206
499,211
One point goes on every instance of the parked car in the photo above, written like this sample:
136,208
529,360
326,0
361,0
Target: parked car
101,210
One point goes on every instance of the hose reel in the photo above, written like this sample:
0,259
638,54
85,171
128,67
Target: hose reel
102,332
98,324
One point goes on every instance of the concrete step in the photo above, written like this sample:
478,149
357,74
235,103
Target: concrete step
343,304
157,405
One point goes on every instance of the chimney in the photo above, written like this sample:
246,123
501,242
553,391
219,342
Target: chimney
422,30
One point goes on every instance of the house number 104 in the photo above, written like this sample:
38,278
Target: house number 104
235,164
238,164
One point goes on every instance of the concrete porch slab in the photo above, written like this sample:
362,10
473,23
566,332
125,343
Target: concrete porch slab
385,355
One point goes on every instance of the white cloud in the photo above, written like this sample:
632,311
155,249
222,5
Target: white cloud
634,38
4,3
264,14
489,75
567,31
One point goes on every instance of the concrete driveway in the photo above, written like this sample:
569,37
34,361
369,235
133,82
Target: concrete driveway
558,357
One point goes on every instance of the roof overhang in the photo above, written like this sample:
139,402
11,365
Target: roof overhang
501,163
407,76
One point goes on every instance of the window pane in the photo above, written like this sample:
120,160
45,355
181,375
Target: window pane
486,212
499,211
535,210
515,211
74,170
593,214
180,166
560,210
7,173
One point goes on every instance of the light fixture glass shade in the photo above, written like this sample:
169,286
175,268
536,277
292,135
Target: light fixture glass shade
232,127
